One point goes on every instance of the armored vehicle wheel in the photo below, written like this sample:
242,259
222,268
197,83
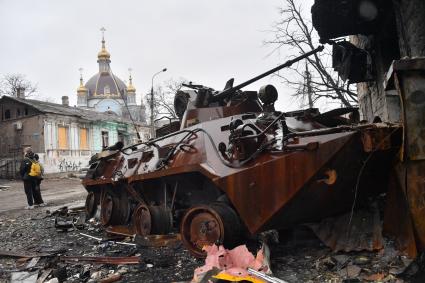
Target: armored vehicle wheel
205,225
114,210
92,201
107,209
162,220
142,220
155,220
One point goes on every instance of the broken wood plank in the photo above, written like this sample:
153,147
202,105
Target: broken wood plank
102,259
44,275
22,254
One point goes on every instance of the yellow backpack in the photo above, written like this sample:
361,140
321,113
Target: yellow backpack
35,170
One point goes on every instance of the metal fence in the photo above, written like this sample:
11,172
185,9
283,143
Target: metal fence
9,165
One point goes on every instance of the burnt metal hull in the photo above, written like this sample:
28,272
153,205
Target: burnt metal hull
275,191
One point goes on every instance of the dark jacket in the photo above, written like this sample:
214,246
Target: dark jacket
25,168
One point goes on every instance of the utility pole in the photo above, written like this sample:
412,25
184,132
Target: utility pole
152,105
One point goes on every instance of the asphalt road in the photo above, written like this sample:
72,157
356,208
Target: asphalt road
54,192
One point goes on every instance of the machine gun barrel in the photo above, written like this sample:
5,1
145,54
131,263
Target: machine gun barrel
288,63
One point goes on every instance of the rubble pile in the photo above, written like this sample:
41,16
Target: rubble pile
34,246
31,242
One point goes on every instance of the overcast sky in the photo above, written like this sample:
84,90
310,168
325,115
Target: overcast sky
206,42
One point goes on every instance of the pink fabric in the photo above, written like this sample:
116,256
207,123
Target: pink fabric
234,262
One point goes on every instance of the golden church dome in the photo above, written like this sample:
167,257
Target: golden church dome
130,87
82,88
103,54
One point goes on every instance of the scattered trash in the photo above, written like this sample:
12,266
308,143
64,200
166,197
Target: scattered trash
68,219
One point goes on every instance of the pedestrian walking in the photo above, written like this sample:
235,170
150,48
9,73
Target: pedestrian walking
38,200
30,171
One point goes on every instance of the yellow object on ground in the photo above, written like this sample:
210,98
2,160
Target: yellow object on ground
232,278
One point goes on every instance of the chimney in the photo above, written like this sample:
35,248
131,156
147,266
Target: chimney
65,100
20,92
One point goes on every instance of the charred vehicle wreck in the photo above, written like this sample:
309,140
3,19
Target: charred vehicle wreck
238,167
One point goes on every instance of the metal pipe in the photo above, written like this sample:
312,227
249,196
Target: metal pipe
265,277
288,63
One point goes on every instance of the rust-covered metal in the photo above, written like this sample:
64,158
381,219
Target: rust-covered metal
354,231
406,202
237,166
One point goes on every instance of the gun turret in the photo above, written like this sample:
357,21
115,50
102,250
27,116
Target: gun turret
200,96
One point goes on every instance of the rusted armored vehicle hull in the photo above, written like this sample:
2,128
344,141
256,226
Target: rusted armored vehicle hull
238,167
209,201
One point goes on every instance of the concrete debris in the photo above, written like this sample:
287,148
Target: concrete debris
24,277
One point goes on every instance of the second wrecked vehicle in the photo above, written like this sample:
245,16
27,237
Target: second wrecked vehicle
238,167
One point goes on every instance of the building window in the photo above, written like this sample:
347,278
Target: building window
26,111
7,114
105,139
121,137
63,137
84,141
107,90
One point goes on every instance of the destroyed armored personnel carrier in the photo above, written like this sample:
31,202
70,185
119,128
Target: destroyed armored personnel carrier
238,167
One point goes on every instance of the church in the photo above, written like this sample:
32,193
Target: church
105,92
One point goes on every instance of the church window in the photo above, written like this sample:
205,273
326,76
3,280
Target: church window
84,141
105,139
107,90
63,137
7,114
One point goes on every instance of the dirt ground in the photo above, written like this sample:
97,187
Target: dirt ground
297,257
54,192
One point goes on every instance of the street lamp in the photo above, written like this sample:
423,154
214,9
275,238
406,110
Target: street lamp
152,104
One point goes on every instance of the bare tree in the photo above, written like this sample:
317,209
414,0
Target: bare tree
11,84
314,81
164,98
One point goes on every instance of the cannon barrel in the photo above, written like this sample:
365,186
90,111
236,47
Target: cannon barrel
227,92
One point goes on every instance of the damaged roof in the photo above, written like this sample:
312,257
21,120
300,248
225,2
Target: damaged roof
59,109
